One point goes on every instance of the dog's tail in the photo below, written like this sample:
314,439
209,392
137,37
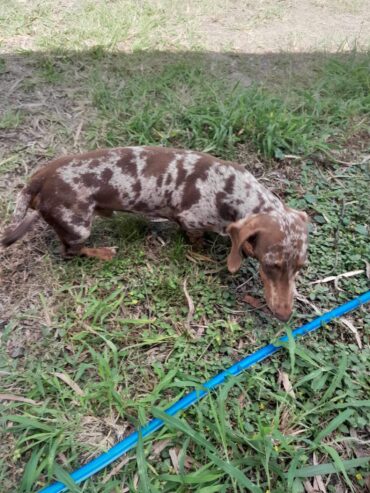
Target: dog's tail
21,221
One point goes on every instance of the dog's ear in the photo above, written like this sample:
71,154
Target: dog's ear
240,232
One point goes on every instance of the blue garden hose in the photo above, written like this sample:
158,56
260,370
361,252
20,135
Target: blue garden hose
131,441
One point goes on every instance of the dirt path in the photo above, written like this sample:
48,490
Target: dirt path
287,25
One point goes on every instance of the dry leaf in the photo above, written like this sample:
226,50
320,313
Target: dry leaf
195,257
188,462
63,459
367,483
68,380
308,487
17,398
367,269
116,469
284,379
251,300
356,444
158,447
174,455
136,481
318,483
353,329
189,318
302,298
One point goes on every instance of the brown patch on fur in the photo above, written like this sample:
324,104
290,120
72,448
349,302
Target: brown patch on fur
141,206
90,180
107,175
127,162
107,198
137,190
226,211
156,162
103,212
229,185
35,202
191,194
181,173
261,199
168,196
201,168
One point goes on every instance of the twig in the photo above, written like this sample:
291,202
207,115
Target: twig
339,276
343,321
190,315
336,237
346,163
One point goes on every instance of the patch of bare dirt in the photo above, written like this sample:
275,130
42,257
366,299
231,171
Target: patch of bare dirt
260,26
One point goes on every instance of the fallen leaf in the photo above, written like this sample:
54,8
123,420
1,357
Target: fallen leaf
367,269
158,447
356,444
253,301
318,483
136,481
308,487
116,469
284,380
174,455
194,257
17,398
302,298
189,317
68,380
353,329
367,483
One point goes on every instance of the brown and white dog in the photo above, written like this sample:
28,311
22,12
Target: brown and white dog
198,191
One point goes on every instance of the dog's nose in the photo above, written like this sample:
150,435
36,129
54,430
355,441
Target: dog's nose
283,316
283,312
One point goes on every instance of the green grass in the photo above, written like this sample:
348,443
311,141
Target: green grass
10,120
102,347
137,25
182,105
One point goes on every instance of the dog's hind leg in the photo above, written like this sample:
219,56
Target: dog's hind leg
195,237
73,229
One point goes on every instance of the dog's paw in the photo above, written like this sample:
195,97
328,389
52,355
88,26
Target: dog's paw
102,253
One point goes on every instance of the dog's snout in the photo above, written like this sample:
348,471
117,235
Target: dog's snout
283,315
282,311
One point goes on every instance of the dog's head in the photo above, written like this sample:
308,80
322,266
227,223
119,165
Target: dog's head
279,243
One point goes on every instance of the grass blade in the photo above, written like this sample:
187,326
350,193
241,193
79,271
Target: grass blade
330,467
141,466
334,424
65,478
211,451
